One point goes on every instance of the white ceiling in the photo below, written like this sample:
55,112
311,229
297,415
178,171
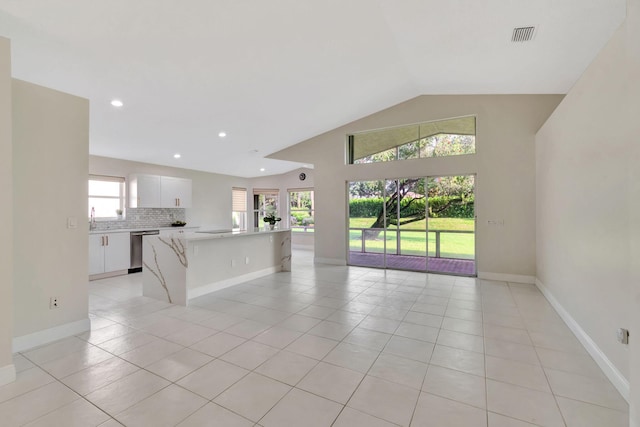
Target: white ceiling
272,74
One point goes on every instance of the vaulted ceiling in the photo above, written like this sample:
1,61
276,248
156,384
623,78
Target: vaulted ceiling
271,74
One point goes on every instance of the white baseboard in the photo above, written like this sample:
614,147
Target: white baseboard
515,278
617,379
331,261
46,336
7,374
216,286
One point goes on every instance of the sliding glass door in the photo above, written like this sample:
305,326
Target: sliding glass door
417,224
451,224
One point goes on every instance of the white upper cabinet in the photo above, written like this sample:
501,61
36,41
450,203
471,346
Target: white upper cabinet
176,192
144,191
153,191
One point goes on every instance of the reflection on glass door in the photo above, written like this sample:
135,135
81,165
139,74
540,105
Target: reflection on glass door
451,225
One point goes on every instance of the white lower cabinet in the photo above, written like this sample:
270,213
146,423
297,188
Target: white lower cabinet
109,252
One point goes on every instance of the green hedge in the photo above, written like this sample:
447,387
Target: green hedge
370,208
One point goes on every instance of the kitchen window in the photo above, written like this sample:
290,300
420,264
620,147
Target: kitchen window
106,196
265,202
239,208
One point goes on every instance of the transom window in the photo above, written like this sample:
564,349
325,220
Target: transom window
431,139
106,196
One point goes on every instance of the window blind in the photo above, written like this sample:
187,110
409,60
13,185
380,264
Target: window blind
239,199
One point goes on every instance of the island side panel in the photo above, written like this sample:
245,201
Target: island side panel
220,262
164,268
285,251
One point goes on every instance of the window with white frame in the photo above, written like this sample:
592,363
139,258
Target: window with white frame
301,210
265,202
106,196
239,208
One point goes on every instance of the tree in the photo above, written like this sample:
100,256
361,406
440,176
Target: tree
401,205
365,189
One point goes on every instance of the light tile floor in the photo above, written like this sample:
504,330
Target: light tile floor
320,346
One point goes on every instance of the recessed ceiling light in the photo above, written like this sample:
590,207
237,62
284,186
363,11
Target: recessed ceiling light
117,103
222,134
262,169
176,156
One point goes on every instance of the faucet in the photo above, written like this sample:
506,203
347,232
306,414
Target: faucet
92,221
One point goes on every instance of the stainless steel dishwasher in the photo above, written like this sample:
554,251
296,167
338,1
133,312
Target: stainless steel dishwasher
136,249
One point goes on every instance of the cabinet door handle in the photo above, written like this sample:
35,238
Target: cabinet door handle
102,240
107,240
178,202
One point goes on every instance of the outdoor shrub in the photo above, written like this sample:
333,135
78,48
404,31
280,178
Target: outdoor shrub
371,207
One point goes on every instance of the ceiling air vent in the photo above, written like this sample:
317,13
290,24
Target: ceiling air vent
522,34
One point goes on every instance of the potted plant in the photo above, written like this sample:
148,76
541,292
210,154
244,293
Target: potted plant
119,213
271,219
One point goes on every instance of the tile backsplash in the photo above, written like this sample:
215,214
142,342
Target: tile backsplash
144,218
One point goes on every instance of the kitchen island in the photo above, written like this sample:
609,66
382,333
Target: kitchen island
183,266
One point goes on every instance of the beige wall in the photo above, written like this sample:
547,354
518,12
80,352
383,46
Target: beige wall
50,165
211,205
583,205
6,216
632,39
504,165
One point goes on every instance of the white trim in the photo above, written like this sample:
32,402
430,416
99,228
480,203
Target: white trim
7,374
516,278
46,336
216,286
609,369
108,274
331,261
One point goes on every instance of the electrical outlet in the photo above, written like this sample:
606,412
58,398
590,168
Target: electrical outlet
233,263
623,336
53,303
246,260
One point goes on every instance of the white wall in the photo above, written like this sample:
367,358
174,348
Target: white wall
7,371
50,167
211,205
284,183
583,206
632,39
504,164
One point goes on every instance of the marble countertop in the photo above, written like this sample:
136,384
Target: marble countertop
129,230
218,234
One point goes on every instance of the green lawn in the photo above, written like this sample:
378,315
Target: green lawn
466,224
412,238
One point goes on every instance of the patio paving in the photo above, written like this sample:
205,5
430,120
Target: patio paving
416,263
